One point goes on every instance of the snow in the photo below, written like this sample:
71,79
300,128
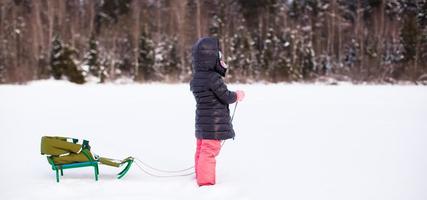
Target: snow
85,67
310,142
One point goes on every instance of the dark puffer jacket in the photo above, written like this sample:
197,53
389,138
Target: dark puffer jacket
211,94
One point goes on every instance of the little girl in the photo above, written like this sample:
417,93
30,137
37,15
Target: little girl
213,122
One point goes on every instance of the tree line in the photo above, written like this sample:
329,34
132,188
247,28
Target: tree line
262,40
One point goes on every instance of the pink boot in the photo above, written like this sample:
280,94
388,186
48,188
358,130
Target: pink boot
205,161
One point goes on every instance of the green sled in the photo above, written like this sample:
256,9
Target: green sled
65,153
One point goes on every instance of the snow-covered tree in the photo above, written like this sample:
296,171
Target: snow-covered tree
2,73
145,58
351,54
62,63
166,60
296,9
271,47
92,57
324,34
160,60
124,66
422,21
56,62
422,13
92,64
108,12
308,64
173,69
215,26
239,55
393,8
2,67
410,34
392,56
171,61
283,69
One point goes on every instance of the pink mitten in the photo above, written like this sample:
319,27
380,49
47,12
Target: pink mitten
240,95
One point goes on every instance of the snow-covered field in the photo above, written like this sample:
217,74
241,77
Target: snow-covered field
293,142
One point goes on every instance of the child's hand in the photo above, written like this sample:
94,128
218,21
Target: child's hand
240,95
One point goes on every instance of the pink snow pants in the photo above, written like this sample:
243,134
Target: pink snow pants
205,162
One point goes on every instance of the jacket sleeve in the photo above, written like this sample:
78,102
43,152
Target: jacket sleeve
220,90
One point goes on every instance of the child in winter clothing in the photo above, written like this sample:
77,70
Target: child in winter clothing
213,122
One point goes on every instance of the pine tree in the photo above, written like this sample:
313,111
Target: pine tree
351,54
393,53
296,9
174,69
56,62
251,9
239,55
284,69
166,62
2,73
145,58
308,63
92,62
124,62
92,57
108,12
422,21
2,69
393,8
215,26
422,14
160,60
62,63
268,53
410,35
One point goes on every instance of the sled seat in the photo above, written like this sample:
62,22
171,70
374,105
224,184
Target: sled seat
60,167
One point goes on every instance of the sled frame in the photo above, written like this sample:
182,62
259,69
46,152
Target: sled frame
59,168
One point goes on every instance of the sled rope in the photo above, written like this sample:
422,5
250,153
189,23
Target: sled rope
161,176
234,112
172,173
232,117
163,170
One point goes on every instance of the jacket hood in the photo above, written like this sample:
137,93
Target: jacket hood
205,56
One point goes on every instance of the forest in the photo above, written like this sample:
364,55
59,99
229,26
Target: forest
360,41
